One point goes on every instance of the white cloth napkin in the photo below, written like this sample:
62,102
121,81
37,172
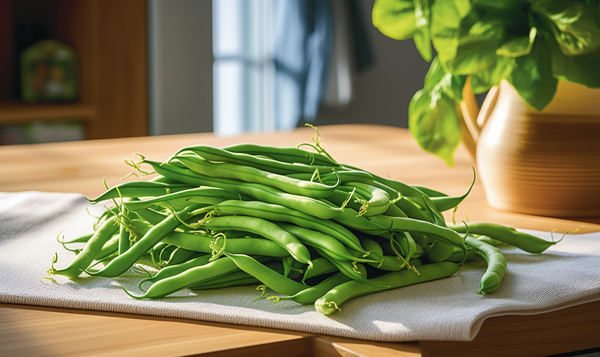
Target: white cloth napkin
567,274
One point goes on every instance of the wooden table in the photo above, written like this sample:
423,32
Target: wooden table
81,167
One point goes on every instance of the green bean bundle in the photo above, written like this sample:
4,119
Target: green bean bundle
300,224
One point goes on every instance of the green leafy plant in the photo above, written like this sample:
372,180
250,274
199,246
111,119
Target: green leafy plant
530,43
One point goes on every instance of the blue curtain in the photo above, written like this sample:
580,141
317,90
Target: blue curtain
303,38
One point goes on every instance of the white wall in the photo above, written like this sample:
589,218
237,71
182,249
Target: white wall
180,46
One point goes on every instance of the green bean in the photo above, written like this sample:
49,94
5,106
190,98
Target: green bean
311,294
283,214
139,189
220,155
372,246
445,203
203,243
81,239
332,301
124,234
395,211
252,175
179,255
445,235
267,276
187,196
332,246
411,206
318,208
83,260
234,279
458,255
351,219
110,247
492,278
123,262
321,266
431,193
152,216
296,269
376,200
218,284
263,228
193,276
389,263
490,241
508,235
351,270
290,154
345,176
440,251
173,270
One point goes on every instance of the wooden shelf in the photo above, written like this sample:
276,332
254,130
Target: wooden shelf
15,112
112,56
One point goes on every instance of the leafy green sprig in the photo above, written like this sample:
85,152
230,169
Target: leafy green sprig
530,43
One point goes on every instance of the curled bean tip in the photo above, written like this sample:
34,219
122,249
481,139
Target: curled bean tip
48,278
128,293
333,304
262,288
275,299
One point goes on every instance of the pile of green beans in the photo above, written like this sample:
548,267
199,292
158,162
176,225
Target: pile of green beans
290,220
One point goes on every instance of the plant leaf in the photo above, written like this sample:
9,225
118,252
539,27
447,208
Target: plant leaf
584,69
446,17
433,122
498,4
434,75
395,18
422,37
576,26
532,75
519,46
481,82
437,79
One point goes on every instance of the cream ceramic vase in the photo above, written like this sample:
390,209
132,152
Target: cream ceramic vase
541,163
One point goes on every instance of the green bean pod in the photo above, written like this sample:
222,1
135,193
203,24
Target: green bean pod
267,276
237,278
123,262
279,213
186,196
311,294
351,270
321,266
444,235
508,235
315,207
139,189
190,277
83,260
337,296
492,278
345,176
332,246
289,154
377,200
203,243
263,228
211,153
173,270
253,175
350,218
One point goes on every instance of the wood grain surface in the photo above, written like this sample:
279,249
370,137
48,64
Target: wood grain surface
387,151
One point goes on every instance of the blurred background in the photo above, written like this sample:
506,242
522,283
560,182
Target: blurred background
91,69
